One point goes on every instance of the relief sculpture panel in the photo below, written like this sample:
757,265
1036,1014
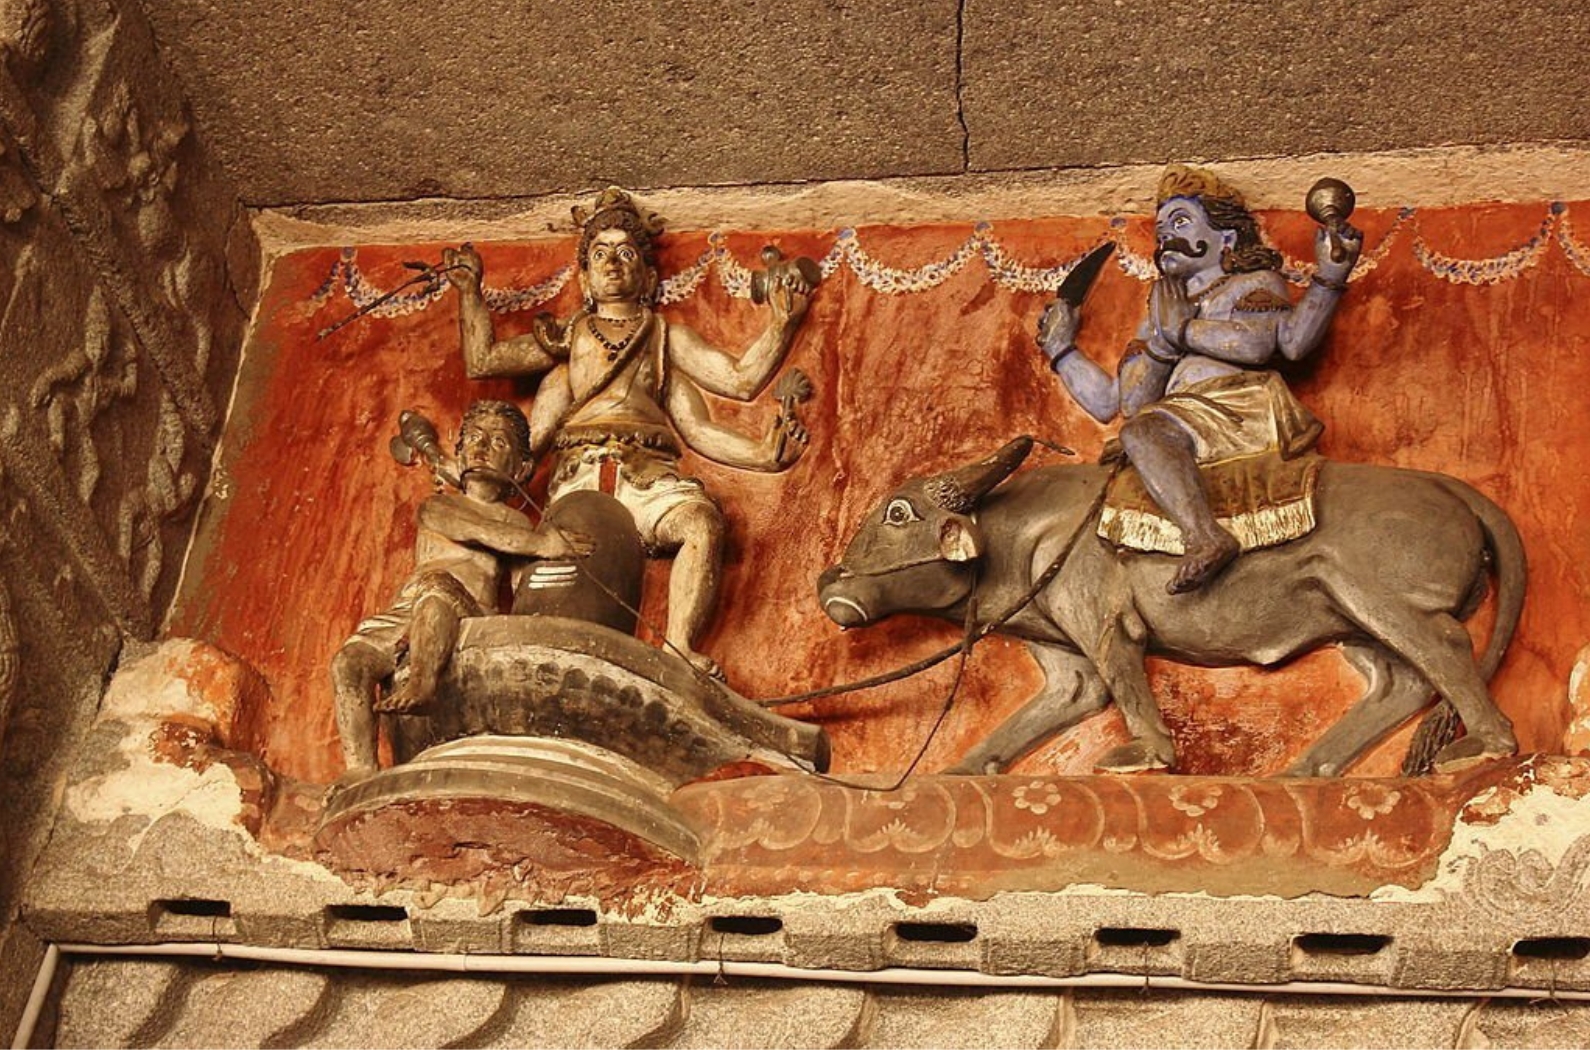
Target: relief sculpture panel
649,569
611,566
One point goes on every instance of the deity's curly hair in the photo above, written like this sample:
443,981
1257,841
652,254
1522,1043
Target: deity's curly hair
616,210
1250,253
501,410
1227,210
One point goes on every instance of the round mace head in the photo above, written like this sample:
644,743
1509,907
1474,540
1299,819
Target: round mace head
1330,200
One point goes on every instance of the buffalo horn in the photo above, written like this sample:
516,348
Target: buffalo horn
958,491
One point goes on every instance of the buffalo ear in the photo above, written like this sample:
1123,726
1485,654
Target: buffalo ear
958,541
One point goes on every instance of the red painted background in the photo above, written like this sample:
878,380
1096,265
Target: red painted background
1485,382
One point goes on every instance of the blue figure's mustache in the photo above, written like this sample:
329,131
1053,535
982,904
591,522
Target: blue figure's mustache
1180,246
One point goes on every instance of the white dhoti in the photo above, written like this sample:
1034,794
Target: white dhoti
648,485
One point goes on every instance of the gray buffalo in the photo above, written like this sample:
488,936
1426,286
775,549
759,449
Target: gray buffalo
1397,561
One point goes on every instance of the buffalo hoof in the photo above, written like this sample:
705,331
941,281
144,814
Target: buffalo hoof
1135,757
975,769
1469,751
1298,770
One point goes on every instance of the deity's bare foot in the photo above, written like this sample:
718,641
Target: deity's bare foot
1136,757
1203,561
412,695
1471,750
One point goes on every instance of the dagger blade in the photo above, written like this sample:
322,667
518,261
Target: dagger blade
1077,283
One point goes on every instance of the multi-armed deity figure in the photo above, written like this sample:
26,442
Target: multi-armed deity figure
1195,386
1388,568
620,396
465,542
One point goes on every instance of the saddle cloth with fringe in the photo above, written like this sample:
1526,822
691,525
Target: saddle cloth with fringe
1262,500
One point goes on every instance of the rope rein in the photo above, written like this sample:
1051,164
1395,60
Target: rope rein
972,633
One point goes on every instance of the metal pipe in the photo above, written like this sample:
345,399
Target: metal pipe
602,966
35,1004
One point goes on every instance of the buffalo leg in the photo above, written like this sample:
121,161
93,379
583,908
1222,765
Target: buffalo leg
1438,647
1394,691
1119,657
1071,691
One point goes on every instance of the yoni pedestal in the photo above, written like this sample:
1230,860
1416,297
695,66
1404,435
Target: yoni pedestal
551,752
463,809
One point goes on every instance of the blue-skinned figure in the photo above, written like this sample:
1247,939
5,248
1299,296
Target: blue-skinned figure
1195,386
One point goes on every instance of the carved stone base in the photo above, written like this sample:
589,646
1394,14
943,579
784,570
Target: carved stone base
538,810
548,676
974,836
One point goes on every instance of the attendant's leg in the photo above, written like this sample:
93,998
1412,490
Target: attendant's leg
356,670
439,605
1163,453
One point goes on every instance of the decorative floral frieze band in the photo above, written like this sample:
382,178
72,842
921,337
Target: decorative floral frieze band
976,836
1003,270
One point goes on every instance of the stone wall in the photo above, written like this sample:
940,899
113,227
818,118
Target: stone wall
485,99
176,1003
127,272
130,271
160,841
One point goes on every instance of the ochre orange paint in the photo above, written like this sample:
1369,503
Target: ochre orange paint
1487,383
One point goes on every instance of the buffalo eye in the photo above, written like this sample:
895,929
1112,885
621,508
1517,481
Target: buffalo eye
900,512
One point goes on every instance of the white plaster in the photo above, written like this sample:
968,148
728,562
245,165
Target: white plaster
152,789
1540,820
1435,177
139,698
155,789
151,689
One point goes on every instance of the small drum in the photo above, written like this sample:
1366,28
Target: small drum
604,586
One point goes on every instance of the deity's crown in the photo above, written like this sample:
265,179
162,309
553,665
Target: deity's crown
618,201
1180,180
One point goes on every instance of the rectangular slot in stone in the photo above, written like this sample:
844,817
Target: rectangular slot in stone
746,925
560,917
359,913
935,932
190,917
1561,949
556,931
1134,937
1341,943
367,925
1136,949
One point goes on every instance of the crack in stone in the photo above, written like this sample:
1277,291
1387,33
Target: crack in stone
960,85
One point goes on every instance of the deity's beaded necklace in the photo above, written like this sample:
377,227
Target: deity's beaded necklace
614,349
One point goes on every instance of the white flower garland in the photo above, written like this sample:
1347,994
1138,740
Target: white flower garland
1003,270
